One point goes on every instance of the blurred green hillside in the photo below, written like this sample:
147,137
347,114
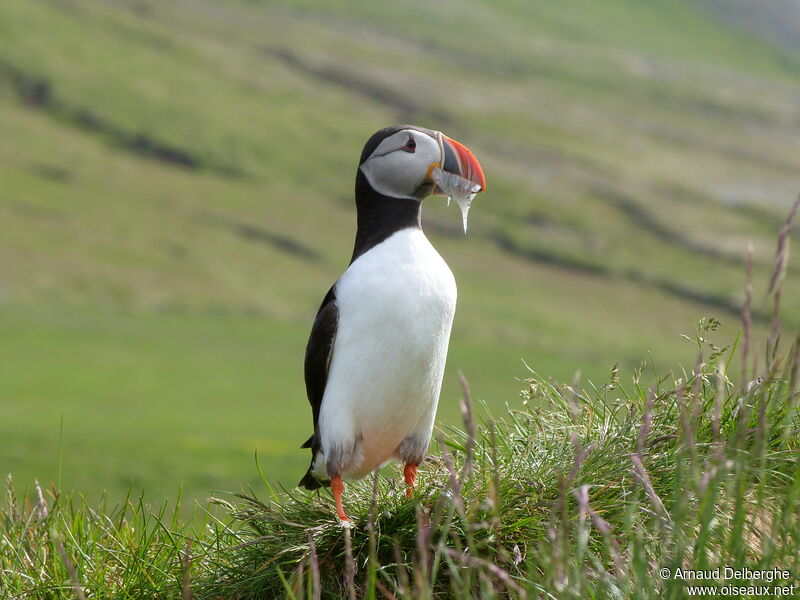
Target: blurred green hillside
176,197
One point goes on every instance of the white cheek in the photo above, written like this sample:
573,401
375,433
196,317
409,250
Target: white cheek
396,175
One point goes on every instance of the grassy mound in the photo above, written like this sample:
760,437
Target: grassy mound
579,494
576,494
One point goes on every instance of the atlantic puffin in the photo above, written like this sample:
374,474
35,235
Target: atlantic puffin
376,354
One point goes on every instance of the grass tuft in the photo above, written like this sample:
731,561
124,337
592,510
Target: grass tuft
574,494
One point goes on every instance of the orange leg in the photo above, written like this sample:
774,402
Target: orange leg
411,476
337,487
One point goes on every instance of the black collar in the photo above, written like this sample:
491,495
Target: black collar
380,216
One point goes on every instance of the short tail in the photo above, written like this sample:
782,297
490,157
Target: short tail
312,483
309,481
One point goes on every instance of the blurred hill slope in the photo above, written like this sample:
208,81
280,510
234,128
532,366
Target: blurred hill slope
777,21
176,196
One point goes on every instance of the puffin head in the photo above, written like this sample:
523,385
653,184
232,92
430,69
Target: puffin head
398,161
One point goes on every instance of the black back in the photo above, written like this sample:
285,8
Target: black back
317,362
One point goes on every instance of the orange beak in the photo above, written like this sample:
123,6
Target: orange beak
458,159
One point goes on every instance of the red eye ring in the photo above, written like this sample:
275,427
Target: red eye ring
411,145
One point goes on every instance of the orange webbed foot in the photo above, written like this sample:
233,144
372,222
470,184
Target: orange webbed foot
410,473
337,487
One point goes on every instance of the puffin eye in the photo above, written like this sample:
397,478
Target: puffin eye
411,145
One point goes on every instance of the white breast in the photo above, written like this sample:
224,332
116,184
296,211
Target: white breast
396,305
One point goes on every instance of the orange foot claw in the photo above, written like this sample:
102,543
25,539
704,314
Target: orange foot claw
337,487
410,473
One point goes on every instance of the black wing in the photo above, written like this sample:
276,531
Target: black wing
318,359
